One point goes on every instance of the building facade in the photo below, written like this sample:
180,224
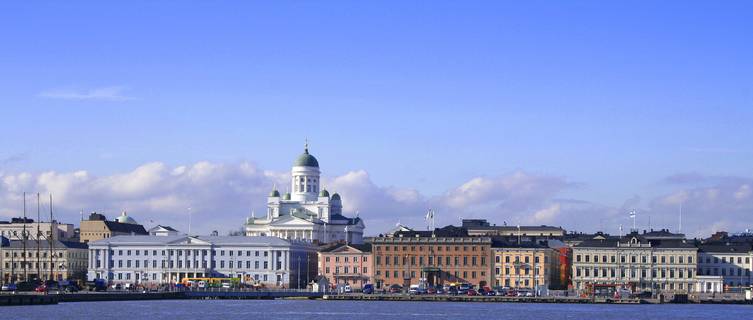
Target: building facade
17,227
43,260
155,260
97,227
636,262
435,260
351,264
526,266
733,262
308,213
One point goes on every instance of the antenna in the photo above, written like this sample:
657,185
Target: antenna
679,228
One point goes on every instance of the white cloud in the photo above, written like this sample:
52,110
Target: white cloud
548,214
221,195
111,93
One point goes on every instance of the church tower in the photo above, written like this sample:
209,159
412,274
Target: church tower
305,177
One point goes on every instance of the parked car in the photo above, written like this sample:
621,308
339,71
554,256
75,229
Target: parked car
71,288
28,285
512,293
116,286
525,293
347,289
414,289
431,290
368,288
9,287
440,290
396,288
486,291
453,291
471,292
463,288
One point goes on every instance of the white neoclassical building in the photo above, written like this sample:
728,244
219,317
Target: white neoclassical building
163,258
308,212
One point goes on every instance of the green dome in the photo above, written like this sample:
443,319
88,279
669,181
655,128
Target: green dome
324,193
274,193
306,160
287,196
335,196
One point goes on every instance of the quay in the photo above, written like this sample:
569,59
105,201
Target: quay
26,299
461,298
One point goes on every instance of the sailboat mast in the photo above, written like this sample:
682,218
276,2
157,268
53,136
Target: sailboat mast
52,242
39,250
23,242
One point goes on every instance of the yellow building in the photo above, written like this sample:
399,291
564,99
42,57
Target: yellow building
97,227
527,266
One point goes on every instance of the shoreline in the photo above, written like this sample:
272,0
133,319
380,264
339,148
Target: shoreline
41,299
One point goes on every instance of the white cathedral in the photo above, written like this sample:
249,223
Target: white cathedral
307,213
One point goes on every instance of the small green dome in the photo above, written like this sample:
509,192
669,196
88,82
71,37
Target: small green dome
274,193
324,193
335,196
306,160
287,196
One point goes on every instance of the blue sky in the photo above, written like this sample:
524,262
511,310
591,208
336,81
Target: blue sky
615,99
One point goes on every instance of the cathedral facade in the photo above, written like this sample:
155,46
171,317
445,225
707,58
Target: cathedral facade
307,213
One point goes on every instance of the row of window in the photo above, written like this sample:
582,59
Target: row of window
526,259
709,259
345,258
43,254
520,271
436,248
188,265
346,269
633,259
43,266
655,273
188,252
716,271
396,274
395,260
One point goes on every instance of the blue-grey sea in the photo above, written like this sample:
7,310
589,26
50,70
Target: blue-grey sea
334,310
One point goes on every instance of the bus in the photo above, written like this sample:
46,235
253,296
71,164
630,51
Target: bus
202,283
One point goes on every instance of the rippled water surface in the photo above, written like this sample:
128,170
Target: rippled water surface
334,310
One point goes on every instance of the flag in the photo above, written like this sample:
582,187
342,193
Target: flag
632,214
430,215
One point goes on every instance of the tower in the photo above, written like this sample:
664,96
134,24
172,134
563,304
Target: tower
305,177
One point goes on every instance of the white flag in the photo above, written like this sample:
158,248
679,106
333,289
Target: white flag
632,214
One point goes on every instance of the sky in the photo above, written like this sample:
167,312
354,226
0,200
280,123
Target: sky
567,113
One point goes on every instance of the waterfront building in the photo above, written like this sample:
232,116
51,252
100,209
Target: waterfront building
97,227
44,260
481,227
152,260
308,213
351,264
730,261
14,230
160,230
656,262
526,266
446,255
531,234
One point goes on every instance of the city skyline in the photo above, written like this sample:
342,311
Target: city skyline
539,113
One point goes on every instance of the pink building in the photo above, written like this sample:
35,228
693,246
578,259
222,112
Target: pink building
347,264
